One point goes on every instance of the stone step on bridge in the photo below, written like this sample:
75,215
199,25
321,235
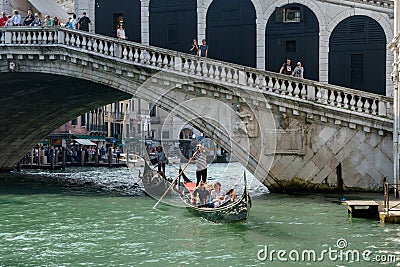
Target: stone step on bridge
290,133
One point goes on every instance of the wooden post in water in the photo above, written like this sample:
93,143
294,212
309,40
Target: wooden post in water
63,158
83,157
96,156
32,156
52,158
339,178
109,157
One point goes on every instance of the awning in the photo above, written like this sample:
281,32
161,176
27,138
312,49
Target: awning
94,138
85,142
51,8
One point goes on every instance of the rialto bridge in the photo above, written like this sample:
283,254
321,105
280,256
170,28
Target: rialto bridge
283,129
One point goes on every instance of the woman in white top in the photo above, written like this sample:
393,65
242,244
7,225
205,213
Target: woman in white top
121,32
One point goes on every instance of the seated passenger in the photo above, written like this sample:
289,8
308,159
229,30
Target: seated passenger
201,195
217,196
157,178
230,196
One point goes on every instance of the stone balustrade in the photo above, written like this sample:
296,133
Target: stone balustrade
270,83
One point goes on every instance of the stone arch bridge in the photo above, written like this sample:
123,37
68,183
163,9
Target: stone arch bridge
284,130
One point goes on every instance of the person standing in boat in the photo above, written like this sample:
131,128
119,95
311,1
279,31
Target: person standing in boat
201,163
161,159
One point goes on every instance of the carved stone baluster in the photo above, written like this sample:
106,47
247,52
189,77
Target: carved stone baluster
296,91
204,69
95,45
359,104
39,38
89,44
276,86
257,81
367,106
78,41
142,56
229,76
50,38
72,40
14,37
165,61
235,77
318,95
352,103
67,38
223,74
127,52
24,34
264,83
192,67
28,37
339,99
211,71
136,55
325,96
34,38
217,73
250,80
374,107
84,42
332,98
270,85
159,60
199,68
101,47
303,91
186,67
284,87
345,101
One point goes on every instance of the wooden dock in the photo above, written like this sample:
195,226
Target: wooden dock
375,209
363,208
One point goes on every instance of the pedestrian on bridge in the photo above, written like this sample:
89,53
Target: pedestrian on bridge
83,23
121,31
194,50
29,18
286,68
298,71
203,49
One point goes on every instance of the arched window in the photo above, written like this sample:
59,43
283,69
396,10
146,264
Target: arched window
173,23
231,31
357,55
293,32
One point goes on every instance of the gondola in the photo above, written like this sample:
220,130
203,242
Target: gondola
237,210
154,189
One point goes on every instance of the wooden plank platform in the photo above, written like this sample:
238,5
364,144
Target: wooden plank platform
363,208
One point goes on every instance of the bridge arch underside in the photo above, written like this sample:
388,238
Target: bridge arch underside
34,104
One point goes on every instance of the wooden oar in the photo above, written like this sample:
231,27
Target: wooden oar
173,182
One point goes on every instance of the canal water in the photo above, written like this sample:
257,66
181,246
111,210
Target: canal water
97,217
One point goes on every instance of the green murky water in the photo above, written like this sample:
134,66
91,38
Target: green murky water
93,217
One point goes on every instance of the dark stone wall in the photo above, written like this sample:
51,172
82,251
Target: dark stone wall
34,104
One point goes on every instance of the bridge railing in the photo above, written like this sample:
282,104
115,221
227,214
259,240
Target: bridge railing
202,68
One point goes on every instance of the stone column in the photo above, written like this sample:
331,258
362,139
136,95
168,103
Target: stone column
145,22
260,43
201,21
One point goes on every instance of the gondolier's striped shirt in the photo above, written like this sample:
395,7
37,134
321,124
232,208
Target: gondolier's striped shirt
201,162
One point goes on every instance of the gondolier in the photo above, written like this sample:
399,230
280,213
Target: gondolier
201,163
